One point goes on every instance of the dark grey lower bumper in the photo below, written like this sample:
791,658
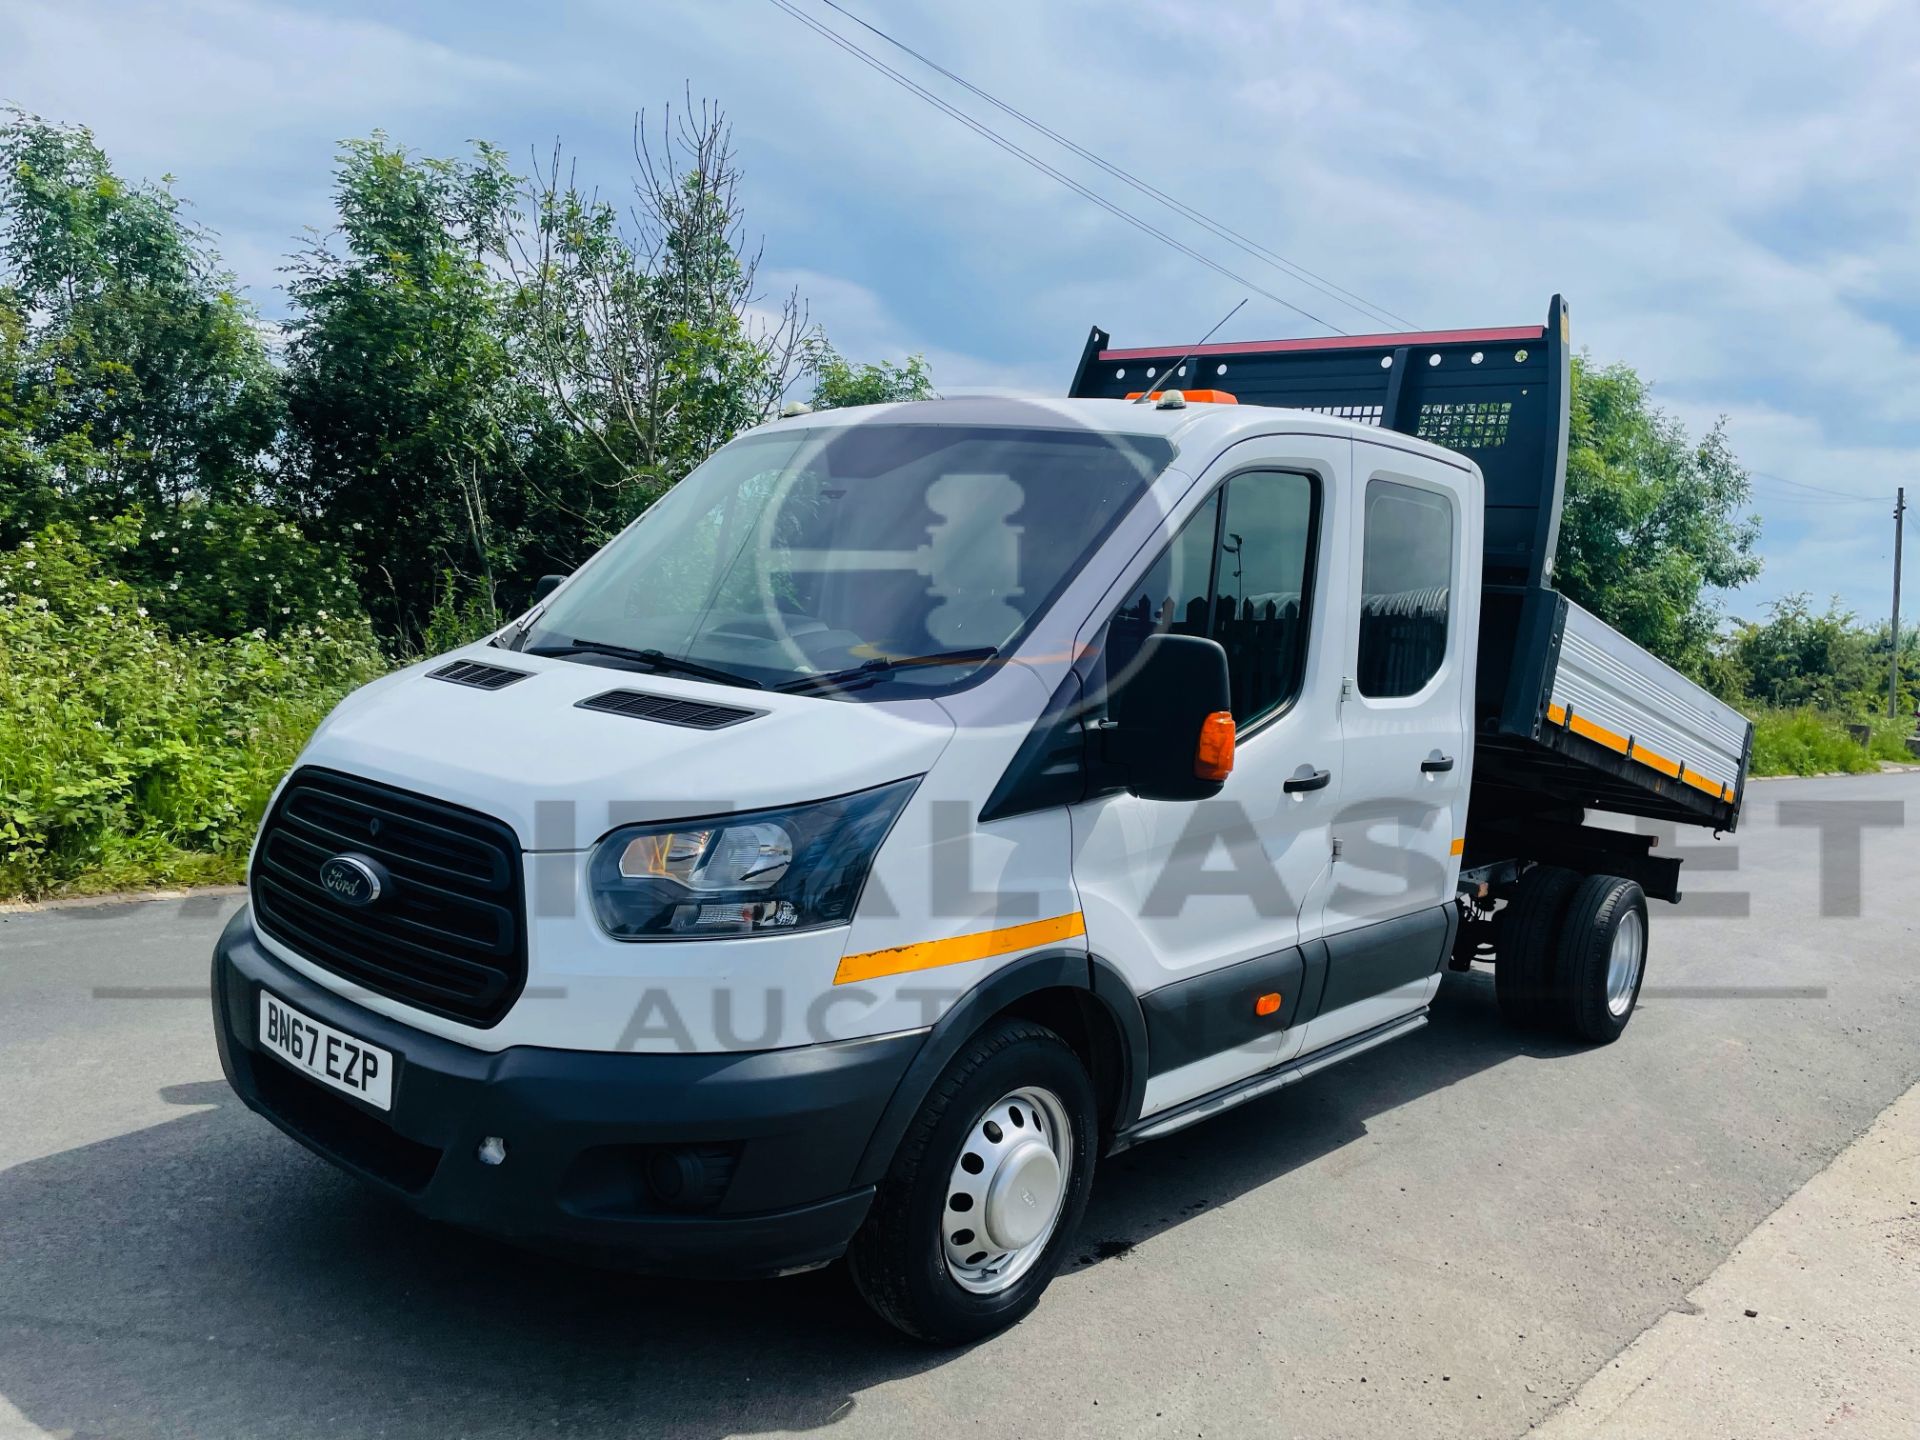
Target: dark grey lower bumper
772,1137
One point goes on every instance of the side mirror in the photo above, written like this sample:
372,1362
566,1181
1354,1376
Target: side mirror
1172,719
545,586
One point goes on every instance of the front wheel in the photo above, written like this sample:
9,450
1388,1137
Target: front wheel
974,1216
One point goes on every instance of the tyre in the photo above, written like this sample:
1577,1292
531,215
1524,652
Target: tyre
1602,959
985,1192
1524,980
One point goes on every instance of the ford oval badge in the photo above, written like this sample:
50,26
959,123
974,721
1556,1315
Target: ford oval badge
352,879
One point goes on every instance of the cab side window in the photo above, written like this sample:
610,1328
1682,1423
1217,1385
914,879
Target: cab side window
1406,578
1261,589
1174,597
1239,572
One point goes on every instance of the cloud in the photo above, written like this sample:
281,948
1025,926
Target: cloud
862,328
212,82
1725,191
241,102
1727,199
1837,540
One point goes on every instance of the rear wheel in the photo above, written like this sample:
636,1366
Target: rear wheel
1524,979
986,1189
1602,959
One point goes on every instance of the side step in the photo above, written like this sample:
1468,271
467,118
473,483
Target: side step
1204,1107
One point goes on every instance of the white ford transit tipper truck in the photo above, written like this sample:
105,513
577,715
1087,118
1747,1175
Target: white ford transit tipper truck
920,802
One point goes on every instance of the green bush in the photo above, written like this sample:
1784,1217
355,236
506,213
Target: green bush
1807,741
129,755
457,619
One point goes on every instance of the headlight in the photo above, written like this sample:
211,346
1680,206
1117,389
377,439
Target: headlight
768,870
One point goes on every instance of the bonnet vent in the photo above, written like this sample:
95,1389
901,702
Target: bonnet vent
478,674
669,709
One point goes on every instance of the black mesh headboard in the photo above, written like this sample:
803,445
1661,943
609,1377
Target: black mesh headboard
1498,396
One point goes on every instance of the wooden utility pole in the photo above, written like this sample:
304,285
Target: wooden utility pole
1893,685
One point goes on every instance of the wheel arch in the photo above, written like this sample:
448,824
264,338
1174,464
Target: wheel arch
1078,995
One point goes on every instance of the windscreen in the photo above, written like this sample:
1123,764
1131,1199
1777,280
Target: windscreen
913,553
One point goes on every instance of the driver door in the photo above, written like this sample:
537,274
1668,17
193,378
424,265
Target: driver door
1206,906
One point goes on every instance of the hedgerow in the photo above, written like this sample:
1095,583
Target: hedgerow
131,755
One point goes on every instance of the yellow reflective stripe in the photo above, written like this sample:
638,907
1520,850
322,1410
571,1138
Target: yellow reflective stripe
1670,768
958,949
1458,847
1599,734
1633,750
1701,782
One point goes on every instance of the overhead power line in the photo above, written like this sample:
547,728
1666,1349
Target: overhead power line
994,137
1218,228
1770,499
1819,489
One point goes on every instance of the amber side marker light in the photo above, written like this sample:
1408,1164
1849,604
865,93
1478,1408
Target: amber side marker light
1213,756
1267,1004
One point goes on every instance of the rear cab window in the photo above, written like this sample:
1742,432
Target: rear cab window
1406,588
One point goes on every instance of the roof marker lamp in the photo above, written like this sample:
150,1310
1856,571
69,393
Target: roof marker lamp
763,871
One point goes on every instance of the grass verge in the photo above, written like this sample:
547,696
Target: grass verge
1814,742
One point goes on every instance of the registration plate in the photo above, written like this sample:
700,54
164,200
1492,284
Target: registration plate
330,1056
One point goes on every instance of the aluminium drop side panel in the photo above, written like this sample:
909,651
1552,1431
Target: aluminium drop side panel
1572,714
1614,685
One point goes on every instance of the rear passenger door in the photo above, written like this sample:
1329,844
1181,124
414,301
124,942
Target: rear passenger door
1406,747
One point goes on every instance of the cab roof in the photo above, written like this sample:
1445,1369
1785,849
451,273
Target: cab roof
1198,425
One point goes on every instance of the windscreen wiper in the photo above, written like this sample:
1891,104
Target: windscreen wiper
872,671
654,659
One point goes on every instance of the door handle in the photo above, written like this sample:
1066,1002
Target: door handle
1316,781
1437,765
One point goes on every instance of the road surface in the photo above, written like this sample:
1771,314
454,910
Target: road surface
1451,1235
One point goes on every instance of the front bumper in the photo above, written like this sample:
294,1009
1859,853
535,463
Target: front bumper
775,1135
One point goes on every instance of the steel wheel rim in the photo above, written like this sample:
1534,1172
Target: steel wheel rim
1007,1190
1623,964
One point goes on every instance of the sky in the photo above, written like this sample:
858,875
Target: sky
1727,194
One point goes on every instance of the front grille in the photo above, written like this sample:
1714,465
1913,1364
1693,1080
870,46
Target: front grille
447,934
669,709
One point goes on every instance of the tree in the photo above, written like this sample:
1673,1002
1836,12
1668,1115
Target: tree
644,328
1652,520
41,466
1826,660
135,386
1798,657
484,378
139,374
408,419
838,382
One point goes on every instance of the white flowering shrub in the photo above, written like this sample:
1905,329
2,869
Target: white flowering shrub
228,568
